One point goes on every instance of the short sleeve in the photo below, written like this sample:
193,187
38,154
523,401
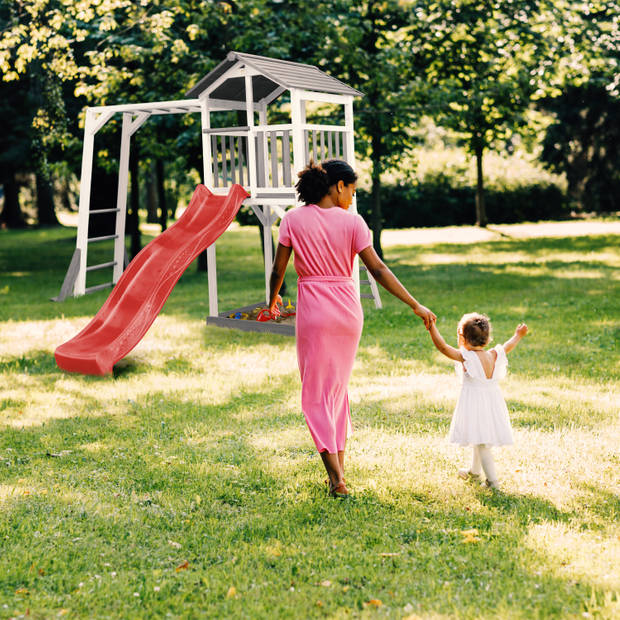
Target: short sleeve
284,236
361,235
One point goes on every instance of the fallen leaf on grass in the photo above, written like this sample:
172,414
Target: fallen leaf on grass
470,536
389,555
63,612
183,566
174,544
23,591
373,602
319,604
232,592
326,583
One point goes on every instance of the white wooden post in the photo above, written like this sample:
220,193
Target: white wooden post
121,198
207,154
249,109
297,119
262,120
85,187
207,179
267,241
350,150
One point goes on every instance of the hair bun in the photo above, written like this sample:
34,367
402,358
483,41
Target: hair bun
313,183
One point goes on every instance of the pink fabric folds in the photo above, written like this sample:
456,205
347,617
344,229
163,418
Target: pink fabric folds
329,314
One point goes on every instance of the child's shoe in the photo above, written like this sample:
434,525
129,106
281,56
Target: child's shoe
466,474
491,484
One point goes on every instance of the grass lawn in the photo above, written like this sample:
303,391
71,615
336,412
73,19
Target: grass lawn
187,485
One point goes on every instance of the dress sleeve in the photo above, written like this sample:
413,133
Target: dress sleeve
361,235
284,236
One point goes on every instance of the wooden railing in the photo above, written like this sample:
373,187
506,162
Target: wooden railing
273,147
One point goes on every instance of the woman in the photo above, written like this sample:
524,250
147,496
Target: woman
329,318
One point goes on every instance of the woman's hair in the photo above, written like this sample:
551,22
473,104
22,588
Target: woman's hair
316,179
475,328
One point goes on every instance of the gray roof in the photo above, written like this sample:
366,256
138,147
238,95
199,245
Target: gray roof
274,74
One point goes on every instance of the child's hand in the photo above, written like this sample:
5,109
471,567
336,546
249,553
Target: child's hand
426,315
521,330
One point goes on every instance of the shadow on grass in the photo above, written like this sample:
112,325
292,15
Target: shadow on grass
169,469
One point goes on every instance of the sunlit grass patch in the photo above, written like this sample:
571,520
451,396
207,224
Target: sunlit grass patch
187,482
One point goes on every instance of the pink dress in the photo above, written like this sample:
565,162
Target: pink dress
329,314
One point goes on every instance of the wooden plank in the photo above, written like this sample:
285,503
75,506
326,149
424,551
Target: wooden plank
260,159
240,149
226,130
306,148
286,157
330,151
224,163
274,158
70,277
336,145
214,153
322,151
233,175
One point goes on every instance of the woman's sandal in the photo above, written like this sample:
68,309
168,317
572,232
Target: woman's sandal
340,490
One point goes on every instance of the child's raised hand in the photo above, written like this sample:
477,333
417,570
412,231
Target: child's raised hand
521,330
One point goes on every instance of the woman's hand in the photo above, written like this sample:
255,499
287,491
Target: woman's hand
274,311
425,314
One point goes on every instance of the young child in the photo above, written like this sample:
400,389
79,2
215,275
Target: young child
480,418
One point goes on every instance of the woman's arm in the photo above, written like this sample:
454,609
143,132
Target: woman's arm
442,347
283,254
521,330
384,276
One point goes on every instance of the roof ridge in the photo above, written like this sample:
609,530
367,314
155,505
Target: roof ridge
290,62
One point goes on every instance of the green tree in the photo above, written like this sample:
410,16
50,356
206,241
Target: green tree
485,62
366,49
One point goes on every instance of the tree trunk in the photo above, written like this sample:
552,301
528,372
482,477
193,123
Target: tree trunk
481,211
133,217
375,200
201,263
151,197
45,202
161,194
11,215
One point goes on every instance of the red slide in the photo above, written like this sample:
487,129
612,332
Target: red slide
145,285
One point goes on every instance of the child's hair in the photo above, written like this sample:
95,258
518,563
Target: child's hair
316,179
475,328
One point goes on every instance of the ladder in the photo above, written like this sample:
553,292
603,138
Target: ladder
66,290
368,280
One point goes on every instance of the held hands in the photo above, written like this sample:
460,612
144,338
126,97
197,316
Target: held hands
426,315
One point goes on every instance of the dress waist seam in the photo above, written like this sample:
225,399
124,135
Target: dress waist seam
325,279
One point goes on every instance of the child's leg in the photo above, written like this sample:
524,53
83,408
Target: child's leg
476,466
488,463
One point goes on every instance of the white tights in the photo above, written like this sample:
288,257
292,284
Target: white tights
483,461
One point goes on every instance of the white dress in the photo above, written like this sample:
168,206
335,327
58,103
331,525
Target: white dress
481,415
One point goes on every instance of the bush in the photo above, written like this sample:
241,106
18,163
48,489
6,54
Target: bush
436,201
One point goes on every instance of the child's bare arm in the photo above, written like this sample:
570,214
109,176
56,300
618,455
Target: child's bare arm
442,347
521,330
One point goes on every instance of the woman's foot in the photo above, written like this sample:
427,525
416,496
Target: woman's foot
339,490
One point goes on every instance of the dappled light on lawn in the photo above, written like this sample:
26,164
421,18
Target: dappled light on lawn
188,478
